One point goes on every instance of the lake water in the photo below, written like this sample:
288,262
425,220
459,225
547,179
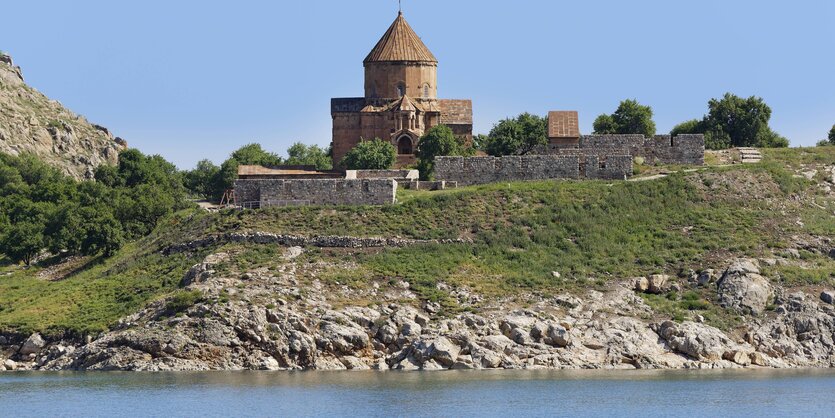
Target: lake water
453,394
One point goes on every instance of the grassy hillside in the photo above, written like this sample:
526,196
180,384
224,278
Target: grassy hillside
522,233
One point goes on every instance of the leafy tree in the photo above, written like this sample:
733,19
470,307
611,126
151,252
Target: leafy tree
301,154
23,241
371,155
64,230
605,125
200,180
253,154
517,136
689,127
480,142
832,135
40,208
103,233
224,178
733,121
108,175
438,141
630,117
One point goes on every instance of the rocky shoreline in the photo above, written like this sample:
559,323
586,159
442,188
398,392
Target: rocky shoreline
268,320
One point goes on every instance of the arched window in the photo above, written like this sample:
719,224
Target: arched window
426,90
401,90
404,145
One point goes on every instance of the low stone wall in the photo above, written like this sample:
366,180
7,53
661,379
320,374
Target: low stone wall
300,241
481,170
430,185
273,192
398,175
665,149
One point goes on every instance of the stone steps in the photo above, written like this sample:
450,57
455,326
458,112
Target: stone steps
750,155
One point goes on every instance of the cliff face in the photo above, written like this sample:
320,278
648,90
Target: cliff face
32,123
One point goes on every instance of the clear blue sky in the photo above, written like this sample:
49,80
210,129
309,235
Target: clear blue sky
197,79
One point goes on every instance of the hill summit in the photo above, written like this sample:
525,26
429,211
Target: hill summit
33,123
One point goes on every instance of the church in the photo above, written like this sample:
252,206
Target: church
401,99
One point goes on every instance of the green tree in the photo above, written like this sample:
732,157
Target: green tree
832,135
253,154
733,121
517,136
200,180
103,233
250,154
371,155
480,142
301,154
630,117
108,175
605,125
438,141
23,241
689,127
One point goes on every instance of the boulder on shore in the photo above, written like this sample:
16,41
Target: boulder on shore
743,289
33,344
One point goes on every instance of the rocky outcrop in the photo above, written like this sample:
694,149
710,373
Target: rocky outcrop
268,319
743,288
32,123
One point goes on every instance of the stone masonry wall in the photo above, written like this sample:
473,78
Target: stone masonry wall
664,149
382,174
481,170
274,192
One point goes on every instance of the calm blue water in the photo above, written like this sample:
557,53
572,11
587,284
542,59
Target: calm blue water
437,394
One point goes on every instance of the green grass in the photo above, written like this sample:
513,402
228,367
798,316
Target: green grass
92,300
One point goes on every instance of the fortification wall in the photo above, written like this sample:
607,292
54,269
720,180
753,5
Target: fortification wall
274,192
613,167
664,149
400,175
481,170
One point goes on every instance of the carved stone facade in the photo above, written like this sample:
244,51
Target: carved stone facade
400,103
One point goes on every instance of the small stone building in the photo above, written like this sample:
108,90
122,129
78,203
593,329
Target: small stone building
401,99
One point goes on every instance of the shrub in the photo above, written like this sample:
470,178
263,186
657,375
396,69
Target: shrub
438,141
183,300
371,155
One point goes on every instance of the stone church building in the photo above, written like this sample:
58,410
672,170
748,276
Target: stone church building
401,98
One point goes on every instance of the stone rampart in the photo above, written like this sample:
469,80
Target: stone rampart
480,170
664,149
252,193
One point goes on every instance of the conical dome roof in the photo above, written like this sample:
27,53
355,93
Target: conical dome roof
400,43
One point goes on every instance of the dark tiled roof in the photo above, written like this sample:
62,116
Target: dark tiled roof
563,124
400,43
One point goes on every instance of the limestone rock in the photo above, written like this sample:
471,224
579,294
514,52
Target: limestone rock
640,284
743,289
659,283
444,351
32,123
828,297
699,341
33,344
